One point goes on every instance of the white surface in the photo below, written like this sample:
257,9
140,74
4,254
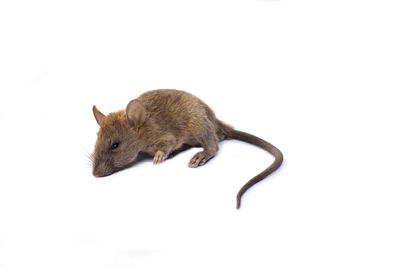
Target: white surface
316,78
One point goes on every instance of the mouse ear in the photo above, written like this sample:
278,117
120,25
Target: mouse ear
97,115
135,114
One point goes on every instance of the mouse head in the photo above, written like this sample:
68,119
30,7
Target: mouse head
118,141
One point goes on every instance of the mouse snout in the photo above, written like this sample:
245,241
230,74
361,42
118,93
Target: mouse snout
97,173
101,170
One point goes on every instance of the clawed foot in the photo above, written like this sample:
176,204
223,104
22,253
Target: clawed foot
199,159
159,157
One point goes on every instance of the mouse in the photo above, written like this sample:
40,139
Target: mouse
160,122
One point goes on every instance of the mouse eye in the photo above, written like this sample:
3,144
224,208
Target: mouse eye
114,146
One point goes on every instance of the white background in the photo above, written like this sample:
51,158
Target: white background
316,78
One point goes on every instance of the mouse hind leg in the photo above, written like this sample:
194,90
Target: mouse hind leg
209,141
200,158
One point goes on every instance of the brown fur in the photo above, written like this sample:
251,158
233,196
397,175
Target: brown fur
160,122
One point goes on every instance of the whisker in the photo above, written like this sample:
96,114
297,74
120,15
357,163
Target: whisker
88,157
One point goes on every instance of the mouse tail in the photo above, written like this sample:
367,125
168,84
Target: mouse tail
230,133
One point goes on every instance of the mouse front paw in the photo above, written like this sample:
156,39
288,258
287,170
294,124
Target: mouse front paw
159,157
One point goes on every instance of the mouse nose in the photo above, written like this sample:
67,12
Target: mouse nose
101,172
97,173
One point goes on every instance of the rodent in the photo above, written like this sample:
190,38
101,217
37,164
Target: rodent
161,121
